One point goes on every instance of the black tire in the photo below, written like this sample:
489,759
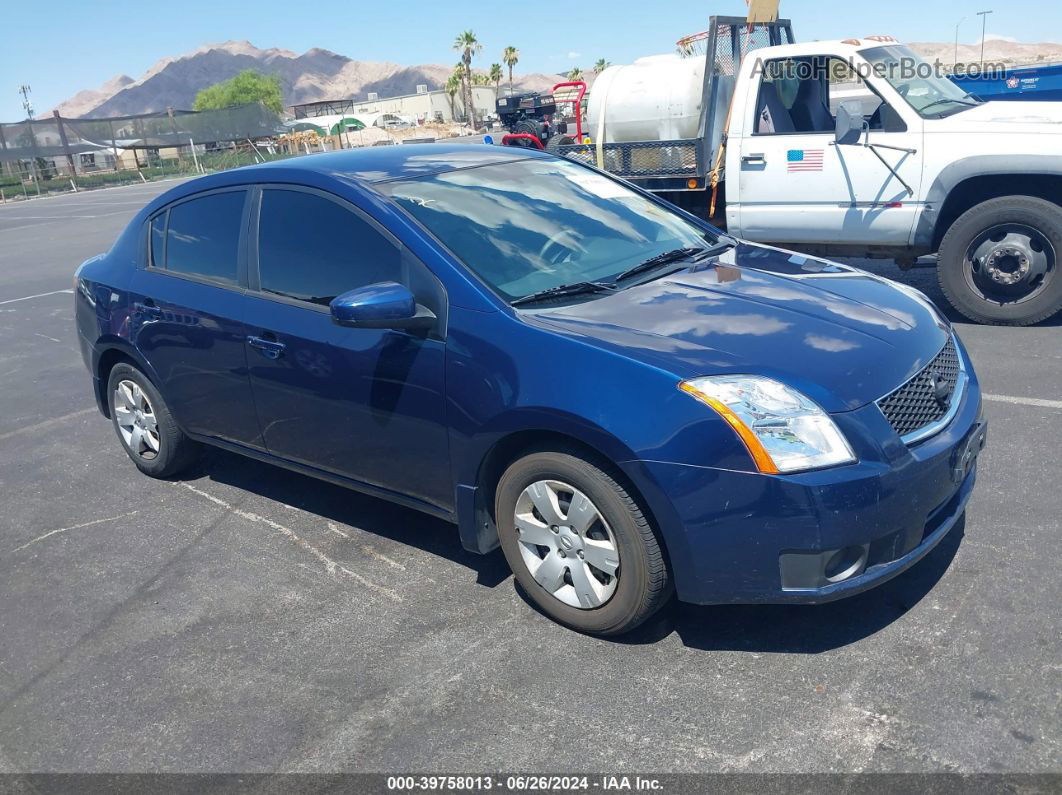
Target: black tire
558,140
954,268
176,451
528,127
643,583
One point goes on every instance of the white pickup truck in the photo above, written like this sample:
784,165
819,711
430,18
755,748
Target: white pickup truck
846,148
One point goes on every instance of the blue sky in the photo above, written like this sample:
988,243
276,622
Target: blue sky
62,46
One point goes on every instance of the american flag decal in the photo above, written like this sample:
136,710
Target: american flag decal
800,160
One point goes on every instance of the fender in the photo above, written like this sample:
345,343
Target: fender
952,175
112,342
473,464
475,521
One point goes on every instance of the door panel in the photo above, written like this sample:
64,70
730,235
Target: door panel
188,305
796,185
364,403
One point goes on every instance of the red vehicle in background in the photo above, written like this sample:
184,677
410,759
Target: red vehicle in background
530,118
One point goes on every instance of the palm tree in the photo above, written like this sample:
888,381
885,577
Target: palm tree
495,77
481,79
575,74
510,57
468,45
601,65
453,85
457,76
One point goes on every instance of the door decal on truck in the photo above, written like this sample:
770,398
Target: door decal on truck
800,160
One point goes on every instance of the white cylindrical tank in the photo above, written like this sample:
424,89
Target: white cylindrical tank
657,98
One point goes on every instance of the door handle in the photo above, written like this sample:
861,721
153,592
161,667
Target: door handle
148,310
754,160
271,349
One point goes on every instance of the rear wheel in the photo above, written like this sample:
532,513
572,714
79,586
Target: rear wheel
525,126
558,140
999,262
143,422
578,543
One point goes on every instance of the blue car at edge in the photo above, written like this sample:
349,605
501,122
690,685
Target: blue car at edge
629,402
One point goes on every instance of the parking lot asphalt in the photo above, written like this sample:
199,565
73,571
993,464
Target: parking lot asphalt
245,618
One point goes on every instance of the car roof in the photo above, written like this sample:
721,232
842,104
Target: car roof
385,163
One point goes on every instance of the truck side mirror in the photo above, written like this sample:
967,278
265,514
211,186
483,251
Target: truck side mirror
850,123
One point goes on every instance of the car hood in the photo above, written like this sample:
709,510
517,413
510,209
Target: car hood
842,336
1010,117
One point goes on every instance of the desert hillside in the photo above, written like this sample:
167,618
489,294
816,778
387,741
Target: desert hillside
314,75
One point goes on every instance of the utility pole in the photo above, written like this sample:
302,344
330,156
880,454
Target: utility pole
24,90
959,25
984,28
27,105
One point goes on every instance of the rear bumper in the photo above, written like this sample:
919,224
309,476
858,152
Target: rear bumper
739,537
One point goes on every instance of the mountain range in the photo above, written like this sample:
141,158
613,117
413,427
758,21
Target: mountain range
319,74
314,75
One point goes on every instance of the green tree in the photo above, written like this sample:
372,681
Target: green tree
575,73
510,57
248,86
496,77
453,85
468,45
601,65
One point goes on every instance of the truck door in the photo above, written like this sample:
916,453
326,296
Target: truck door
796,185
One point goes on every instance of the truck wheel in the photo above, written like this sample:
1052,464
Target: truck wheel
579,545
999,262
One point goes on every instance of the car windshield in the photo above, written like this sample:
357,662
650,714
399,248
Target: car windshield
531,225
932,96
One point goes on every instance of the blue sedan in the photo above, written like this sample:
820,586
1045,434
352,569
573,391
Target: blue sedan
627,401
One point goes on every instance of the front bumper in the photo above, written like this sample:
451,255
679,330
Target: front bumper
740,537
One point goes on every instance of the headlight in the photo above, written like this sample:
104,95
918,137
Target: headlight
783,430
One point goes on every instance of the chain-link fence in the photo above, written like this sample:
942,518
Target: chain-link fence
56,154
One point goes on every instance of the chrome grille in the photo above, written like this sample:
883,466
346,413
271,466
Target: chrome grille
915,405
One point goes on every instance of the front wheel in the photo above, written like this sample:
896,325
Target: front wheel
579,544
999,261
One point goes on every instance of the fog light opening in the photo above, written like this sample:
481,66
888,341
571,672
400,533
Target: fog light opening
845,563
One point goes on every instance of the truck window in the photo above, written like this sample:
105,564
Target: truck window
802,95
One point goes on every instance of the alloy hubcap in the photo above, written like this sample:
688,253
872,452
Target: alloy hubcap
136,420
566,544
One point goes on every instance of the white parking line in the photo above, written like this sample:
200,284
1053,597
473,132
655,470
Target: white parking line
38,295
1024,401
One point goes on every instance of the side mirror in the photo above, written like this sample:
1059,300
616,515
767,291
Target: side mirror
850,123
383,305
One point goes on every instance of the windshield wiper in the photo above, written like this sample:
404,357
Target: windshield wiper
561,290
942,100
692,253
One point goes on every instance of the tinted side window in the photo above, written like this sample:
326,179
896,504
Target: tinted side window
203,236
314,249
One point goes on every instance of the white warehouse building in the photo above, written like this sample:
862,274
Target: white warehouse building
423,106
